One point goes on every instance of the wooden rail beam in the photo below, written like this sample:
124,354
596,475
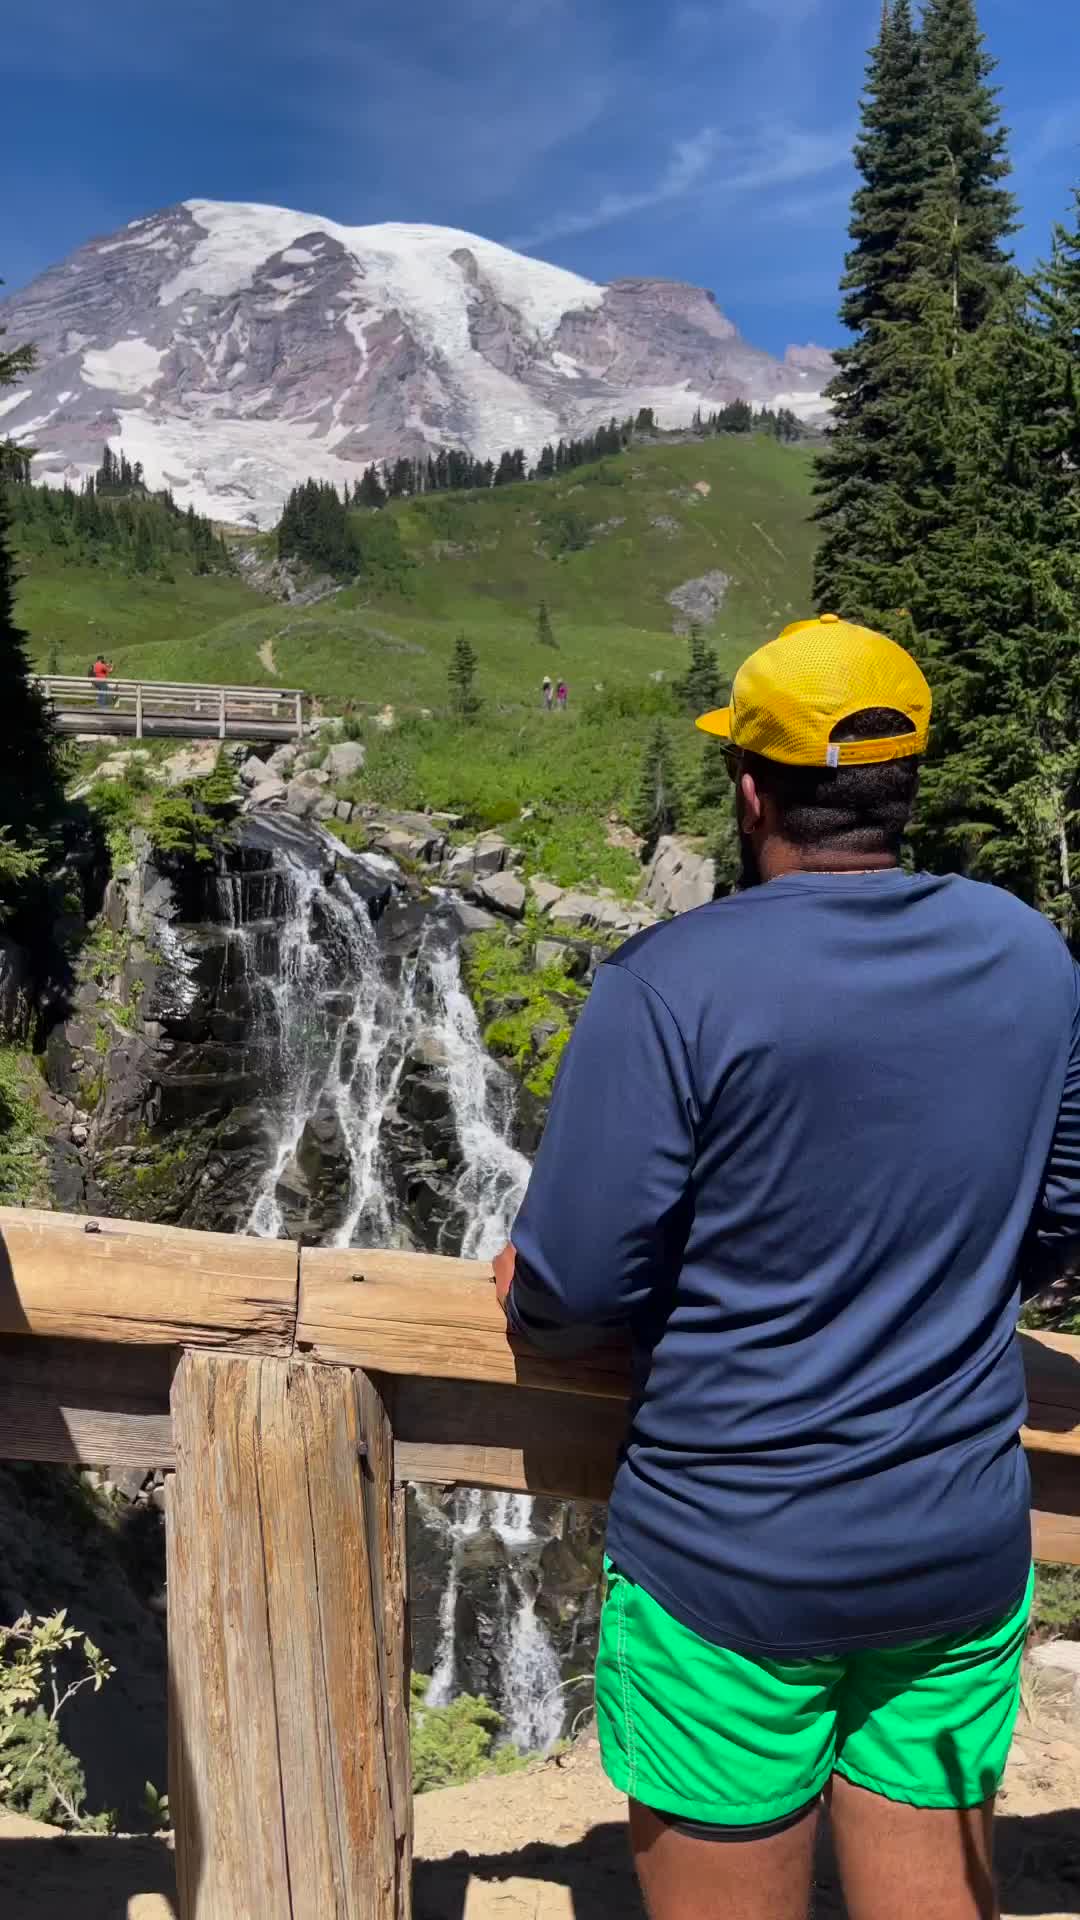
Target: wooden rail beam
124,1281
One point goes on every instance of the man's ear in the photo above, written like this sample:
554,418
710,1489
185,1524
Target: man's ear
750,808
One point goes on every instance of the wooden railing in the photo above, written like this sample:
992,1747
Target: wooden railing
291,1395
149,709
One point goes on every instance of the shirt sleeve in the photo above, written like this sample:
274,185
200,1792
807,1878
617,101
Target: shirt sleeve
1053,1244
604,1218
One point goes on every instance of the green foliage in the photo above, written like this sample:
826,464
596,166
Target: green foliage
545,632
44,1664
701,688
1056,1608
453,1744
193,821
114,523
23,1169
319,528
462,677
657,806
529,1009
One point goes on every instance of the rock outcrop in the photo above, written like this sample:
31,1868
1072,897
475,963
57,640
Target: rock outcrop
678,878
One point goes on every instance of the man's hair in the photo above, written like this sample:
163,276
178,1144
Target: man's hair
854,809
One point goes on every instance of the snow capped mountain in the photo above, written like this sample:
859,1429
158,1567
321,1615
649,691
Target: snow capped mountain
235,350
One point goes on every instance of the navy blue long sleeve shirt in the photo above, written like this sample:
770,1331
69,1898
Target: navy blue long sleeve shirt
804,1144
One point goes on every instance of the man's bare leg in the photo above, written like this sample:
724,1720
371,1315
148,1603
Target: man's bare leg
684,1878
897,1861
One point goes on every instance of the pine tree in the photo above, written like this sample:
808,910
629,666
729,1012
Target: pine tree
31,790
545,632
969,152
656,810
700,686
462,678
858,472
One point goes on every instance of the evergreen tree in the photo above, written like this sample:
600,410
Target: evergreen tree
700,686
656,809
31,790
975,213
545,632
462,678
857,473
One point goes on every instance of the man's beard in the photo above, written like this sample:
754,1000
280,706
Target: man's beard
749,870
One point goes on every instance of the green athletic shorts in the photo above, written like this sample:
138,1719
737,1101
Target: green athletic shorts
727,1739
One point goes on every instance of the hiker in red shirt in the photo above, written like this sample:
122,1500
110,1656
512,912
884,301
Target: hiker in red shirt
99,674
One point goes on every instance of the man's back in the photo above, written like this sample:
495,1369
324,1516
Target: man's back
852,1084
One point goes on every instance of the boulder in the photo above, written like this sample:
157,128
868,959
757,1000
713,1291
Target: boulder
269,791
302,796
576,910
344,810
545,893
459,866
491,854
326,808
253,772
678,879
191,763
344,760
408,836
472,919
504,892
282,760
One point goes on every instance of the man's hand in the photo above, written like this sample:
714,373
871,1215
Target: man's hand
503,1266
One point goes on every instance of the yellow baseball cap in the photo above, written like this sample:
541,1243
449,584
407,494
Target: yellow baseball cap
790,696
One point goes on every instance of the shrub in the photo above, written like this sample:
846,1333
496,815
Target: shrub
453,1744
23,1177
39,1775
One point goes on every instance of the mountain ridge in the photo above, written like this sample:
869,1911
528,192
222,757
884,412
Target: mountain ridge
235,348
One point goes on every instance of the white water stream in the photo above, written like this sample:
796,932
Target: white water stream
345,1032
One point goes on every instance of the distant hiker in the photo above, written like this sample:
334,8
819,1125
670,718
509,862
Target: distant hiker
562,694
99,674
548,693
799,1149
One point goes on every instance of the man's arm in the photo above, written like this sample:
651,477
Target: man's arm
605,1214
1052,1248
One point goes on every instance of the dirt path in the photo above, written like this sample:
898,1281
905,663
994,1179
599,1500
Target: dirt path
266,658
549,1844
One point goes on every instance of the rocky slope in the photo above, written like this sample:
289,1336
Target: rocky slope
235,350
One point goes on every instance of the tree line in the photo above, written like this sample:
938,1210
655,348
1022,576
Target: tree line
949,491
740,417
114,519
452,470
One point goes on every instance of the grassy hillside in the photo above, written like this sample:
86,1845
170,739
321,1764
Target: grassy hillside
602,546
482,562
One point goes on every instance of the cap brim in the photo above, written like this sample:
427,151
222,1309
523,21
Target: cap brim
718,723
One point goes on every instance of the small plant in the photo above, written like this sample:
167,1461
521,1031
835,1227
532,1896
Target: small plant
156,1809
39,1775
455,1743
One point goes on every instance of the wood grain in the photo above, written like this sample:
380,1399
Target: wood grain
384,1520
128,1281
413,1313
79,1403
514,1438
279,1767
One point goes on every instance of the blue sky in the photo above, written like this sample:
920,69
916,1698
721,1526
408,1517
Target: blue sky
705,140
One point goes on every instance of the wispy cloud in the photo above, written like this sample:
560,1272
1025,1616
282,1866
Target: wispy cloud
688,163
728,166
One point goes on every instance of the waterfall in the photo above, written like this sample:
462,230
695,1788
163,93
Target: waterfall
342,1025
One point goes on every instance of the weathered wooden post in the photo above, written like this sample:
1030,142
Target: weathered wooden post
289,1763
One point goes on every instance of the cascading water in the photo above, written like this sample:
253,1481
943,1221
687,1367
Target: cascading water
344,1023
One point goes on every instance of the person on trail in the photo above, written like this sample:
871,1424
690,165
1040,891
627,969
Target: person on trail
548,693
810,1145
99,674
562,695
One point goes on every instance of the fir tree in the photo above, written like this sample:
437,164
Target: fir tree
656,809
462,678
969,154
857,473
700,686
31,791
545,632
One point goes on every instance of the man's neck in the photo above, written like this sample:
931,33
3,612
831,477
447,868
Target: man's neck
779,857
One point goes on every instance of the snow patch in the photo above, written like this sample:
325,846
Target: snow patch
130,366
12,400
298,257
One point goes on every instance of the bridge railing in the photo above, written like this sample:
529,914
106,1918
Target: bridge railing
146,707
290,1395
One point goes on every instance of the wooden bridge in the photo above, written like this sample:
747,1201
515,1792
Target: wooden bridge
291,1394
163,709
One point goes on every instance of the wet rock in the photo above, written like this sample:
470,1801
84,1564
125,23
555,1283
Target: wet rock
67,1176
503,892
678,878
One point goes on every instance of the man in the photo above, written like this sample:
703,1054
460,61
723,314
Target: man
804,1144
99,673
